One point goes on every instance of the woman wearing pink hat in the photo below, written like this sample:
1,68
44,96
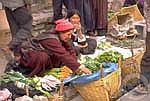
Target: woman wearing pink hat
51,50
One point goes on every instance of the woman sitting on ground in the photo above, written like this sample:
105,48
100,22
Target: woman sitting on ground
50,50
81,43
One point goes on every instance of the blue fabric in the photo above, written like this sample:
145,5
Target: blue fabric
82,79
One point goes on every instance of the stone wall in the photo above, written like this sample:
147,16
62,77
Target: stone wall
41,4
41,12
115,4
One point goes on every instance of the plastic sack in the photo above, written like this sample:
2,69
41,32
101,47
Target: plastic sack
83,79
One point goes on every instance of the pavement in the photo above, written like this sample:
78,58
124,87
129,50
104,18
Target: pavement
135,95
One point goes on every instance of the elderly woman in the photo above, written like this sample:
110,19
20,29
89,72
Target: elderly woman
51,50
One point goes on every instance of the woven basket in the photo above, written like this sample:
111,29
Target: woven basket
102,89
53,98
130,67
131,10
134,11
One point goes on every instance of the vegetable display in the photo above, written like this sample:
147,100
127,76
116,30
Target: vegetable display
43,84
110,56
110,14
90,63
60,73
104,45
94,64
11,77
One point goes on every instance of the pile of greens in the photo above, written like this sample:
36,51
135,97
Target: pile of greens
104,45
110,13
54,72
90,63
33,82
110,56
94,64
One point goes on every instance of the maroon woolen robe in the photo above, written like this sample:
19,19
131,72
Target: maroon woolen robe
57,54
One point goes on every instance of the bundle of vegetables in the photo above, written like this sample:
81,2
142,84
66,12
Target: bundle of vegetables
65,72
110,56
90,63
35,82
110,13
104,45
11,77
54,72
43,84
94,64
60,73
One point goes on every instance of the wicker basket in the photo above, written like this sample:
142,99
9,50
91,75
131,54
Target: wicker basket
102,89
130,67
55,98
134,11
131,10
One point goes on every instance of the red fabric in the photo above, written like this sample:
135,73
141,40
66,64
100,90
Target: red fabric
63,25
61,53
37,61
57,55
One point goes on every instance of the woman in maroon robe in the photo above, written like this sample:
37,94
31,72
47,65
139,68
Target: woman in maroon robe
51,50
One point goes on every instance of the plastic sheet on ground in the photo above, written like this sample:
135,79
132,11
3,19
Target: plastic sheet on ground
82,79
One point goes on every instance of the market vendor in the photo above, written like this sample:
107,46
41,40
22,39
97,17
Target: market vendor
81,43
51,50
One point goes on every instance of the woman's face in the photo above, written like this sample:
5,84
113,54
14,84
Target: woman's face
65,36
75,19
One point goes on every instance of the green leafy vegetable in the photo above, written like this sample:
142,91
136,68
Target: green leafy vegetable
110,56
91,63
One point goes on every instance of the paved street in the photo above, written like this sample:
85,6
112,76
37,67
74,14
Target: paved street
135,96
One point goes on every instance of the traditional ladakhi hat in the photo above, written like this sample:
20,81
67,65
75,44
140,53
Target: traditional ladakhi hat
63,25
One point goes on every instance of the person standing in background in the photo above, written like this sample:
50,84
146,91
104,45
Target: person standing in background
85,7
19,19
57,7
100,16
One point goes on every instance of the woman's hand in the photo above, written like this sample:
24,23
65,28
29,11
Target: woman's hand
86,70
83,69
77,27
